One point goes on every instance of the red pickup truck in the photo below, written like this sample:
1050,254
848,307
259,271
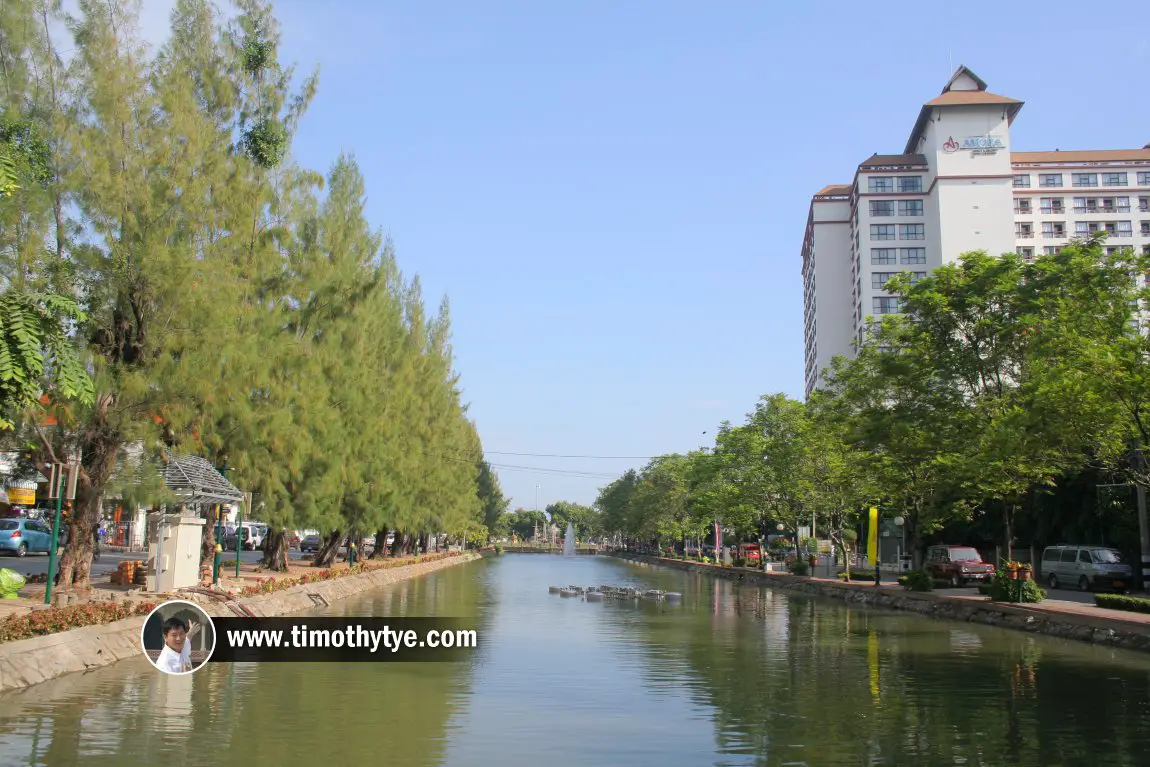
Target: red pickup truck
957,565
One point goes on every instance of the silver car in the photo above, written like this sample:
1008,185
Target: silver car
1086,567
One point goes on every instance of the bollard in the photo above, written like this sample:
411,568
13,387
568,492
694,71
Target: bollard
216,564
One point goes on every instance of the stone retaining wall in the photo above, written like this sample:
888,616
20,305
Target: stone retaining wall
26,662
1099,629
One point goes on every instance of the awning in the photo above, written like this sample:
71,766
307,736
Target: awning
195,481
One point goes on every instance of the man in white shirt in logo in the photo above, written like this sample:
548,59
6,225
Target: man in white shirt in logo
176,657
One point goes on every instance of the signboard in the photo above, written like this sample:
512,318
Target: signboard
976,145
22,496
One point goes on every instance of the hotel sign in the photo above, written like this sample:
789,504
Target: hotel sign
976,145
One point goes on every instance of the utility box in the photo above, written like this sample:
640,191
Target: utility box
176,551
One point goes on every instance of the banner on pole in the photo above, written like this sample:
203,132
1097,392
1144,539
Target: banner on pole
872,537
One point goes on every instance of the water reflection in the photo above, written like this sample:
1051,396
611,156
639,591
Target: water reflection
733,675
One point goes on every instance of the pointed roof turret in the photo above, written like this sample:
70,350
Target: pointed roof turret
964,88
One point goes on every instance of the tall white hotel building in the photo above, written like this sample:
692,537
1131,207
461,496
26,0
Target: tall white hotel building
956,187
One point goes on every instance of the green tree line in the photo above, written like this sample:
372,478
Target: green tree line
991,409
173,278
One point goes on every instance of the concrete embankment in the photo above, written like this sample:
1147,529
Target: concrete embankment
30,661
1131,633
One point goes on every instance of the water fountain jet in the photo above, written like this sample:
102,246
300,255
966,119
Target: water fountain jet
569,541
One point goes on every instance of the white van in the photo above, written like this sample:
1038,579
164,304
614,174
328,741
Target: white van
1086,567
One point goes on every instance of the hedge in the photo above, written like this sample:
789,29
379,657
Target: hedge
53,620
1123,602
272,584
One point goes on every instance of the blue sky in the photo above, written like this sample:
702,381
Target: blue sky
613,195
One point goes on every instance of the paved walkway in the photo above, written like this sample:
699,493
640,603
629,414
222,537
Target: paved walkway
1059,601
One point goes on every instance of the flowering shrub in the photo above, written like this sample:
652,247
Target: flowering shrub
53,620
1015,583
272,585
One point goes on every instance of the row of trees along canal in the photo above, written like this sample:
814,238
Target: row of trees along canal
1009,401
173,279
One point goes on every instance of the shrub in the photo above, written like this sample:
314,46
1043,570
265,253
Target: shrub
739,562
1122,602
271,585
1003,589
53,620
858,575
798,567
498,548
916,580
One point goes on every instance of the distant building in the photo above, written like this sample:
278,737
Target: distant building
957,187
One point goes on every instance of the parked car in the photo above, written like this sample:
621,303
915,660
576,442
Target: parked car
310,543
21,536
1086,567
957,565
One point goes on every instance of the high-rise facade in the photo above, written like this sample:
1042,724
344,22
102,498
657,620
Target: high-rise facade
957,187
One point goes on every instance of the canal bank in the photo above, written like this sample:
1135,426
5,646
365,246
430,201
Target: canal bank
1126,631
27,662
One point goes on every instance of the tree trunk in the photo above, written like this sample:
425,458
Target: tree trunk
380,550
397,544
1008,530
98,459
327,551
424,542
208,542
275,551
356,538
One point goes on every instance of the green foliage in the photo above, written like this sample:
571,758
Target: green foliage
916,580
798,567
36,354
266,142
1122,602
1003,589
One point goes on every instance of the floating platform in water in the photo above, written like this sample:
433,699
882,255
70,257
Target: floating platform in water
616,593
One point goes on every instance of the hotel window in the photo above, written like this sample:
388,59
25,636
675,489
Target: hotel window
886,305
1050,179
1121,204
1146,252
881,184
1085,204
1145,229
1026,253
910,207
1022,180
1112,251
1052,205
916,276
1053,229
1143,178
1144,204
882,231
911,232
1023,206
1124,229
1114,179
913,256
1085,179
882,207
910,183
882,256
1023,230
878,279
1084,228
1051,250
